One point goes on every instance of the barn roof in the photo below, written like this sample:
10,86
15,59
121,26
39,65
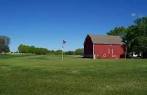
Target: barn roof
105,39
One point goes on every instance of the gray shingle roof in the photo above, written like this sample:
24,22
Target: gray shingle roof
97,39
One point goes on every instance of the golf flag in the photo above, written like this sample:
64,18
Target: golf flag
64,42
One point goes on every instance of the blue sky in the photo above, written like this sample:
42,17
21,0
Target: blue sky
45,23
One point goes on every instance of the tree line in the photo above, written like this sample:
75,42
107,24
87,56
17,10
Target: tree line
134,37
32,49
44,51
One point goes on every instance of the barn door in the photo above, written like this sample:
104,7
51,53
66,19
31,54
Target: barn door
111,52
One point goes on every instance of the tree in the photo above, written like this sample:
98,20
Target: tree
4,44
69,53
23,48
139,45
118,31
141,24
4,49
134,36
79,51
57,52
32,49
137,36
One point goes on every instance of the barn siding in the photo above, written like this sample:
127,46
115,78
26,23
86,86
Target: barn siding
108,51
88,47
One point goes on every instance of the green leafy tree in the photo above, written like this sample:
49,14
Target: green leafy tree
141,24
79,51
134,36
23,48
58,52
118,31
32,49
137,36
69,53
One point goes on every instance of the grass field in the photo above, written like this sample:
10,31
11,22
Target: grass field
48,75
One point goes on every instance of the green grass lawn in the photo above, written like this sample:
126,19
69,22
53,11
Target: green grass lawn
48,75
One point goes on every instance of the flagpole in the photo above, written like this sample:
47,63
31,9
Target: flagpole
62,52
63,49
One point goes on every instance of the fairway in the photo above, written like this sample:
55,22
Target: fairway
48,75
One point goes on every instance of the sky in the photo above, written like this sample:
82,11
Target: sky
46,23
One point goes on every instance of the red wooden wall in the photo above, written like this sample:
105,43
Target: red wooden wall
109,51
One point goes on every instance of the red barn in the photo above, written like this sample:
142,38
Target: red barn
96,46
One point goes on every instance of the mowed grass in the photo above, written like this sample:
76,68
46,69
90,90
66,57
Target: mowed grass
48,75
